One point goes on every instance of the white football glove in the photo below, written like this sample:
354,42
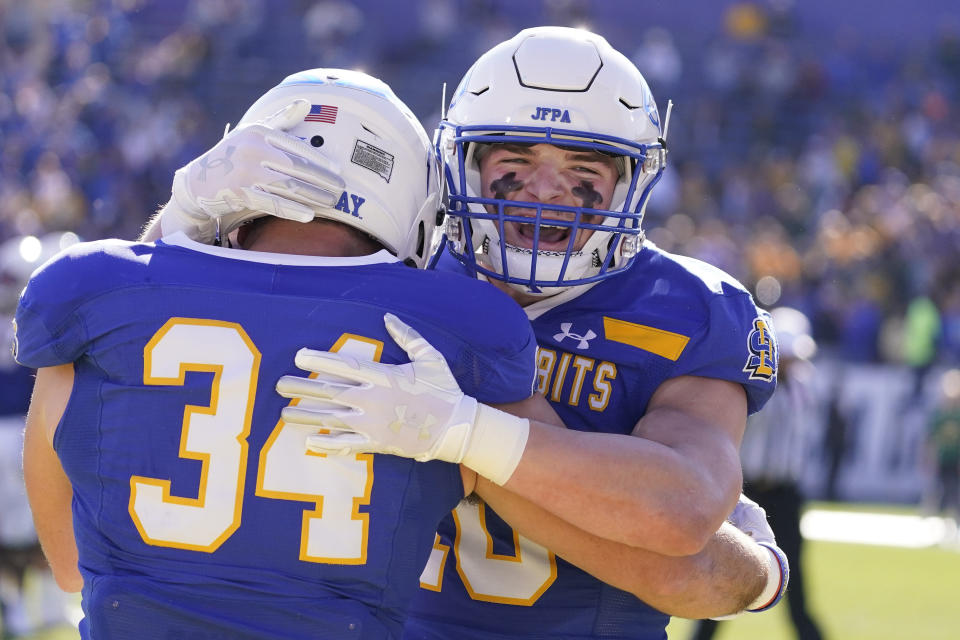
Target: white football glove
254,170
750,518
413,410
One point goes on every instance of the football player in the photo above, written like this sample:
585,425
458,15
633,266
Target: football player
196,510
662,488
552,145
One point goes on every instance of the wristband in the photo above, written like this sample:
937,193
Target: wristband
496,444
778,576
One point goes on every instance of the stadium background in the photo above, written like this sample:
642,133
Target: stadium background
815,155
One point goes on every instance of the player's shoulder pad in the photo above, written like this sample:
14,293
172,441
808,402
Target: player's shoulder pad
47,332
81,271
482,332
683,290
733,338
478,309
97,257
709,279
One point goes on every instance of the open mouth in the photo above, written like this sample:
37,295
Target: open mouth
552,237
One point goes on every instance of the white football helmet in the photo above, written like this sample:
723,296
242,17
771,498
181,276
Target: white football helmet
379,148
559,86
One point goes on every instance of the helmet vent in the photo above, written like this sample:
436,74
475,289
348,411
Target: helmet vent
480,91
370,131
628,105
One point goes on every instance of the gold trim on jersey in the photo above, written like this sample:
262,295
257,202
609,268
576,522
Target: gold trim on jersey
326,536
665,344
432,577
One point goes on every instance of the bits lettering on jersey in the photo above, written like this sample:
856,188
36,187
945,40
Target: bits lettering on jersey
343,204
576,379
552,114
583,341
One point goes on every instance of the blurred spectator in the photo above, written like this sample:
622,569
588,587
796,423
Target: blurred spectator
774,451
944,445
745,21
921,332
332,26
30,599
836,443
949,348
660,60
437,20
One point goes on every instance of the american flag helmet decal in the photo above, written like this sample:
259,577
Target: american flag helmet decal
322,113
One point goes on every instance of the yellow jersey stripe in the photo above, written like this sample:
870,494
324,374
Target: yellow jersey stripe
663,343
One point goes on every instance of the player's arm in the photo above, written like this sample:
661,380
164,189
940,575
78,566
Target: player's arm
730,574
666,488
48,488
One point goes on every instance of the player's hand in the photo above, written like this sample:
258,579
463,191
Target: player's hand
254,170
750,518
413,410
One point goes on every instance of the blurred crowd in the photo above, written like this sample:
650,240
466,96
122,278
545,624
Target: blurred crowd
827,178
821,167
824,174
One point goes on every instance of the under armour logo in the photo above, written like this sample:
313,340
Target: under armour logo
205,163
583,341
403,421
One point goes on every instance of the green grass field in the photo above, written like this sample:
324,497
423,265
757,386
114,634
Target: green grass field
857,592
860,592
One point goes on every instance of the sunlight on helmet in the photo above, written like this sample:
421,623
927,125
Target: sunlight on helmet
567,88
383,153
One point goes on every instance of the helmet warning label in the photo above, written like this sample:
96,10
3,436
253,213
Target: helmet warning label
373,158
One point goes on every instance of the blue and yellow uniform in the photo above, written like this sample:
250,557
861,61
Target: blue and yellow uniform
197,512
602,354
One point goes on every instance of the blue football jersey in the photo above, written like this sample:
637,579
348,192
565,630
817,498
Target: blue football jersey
602,354
197,511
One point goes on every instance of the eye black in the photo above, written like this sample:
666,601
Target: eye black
317,141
